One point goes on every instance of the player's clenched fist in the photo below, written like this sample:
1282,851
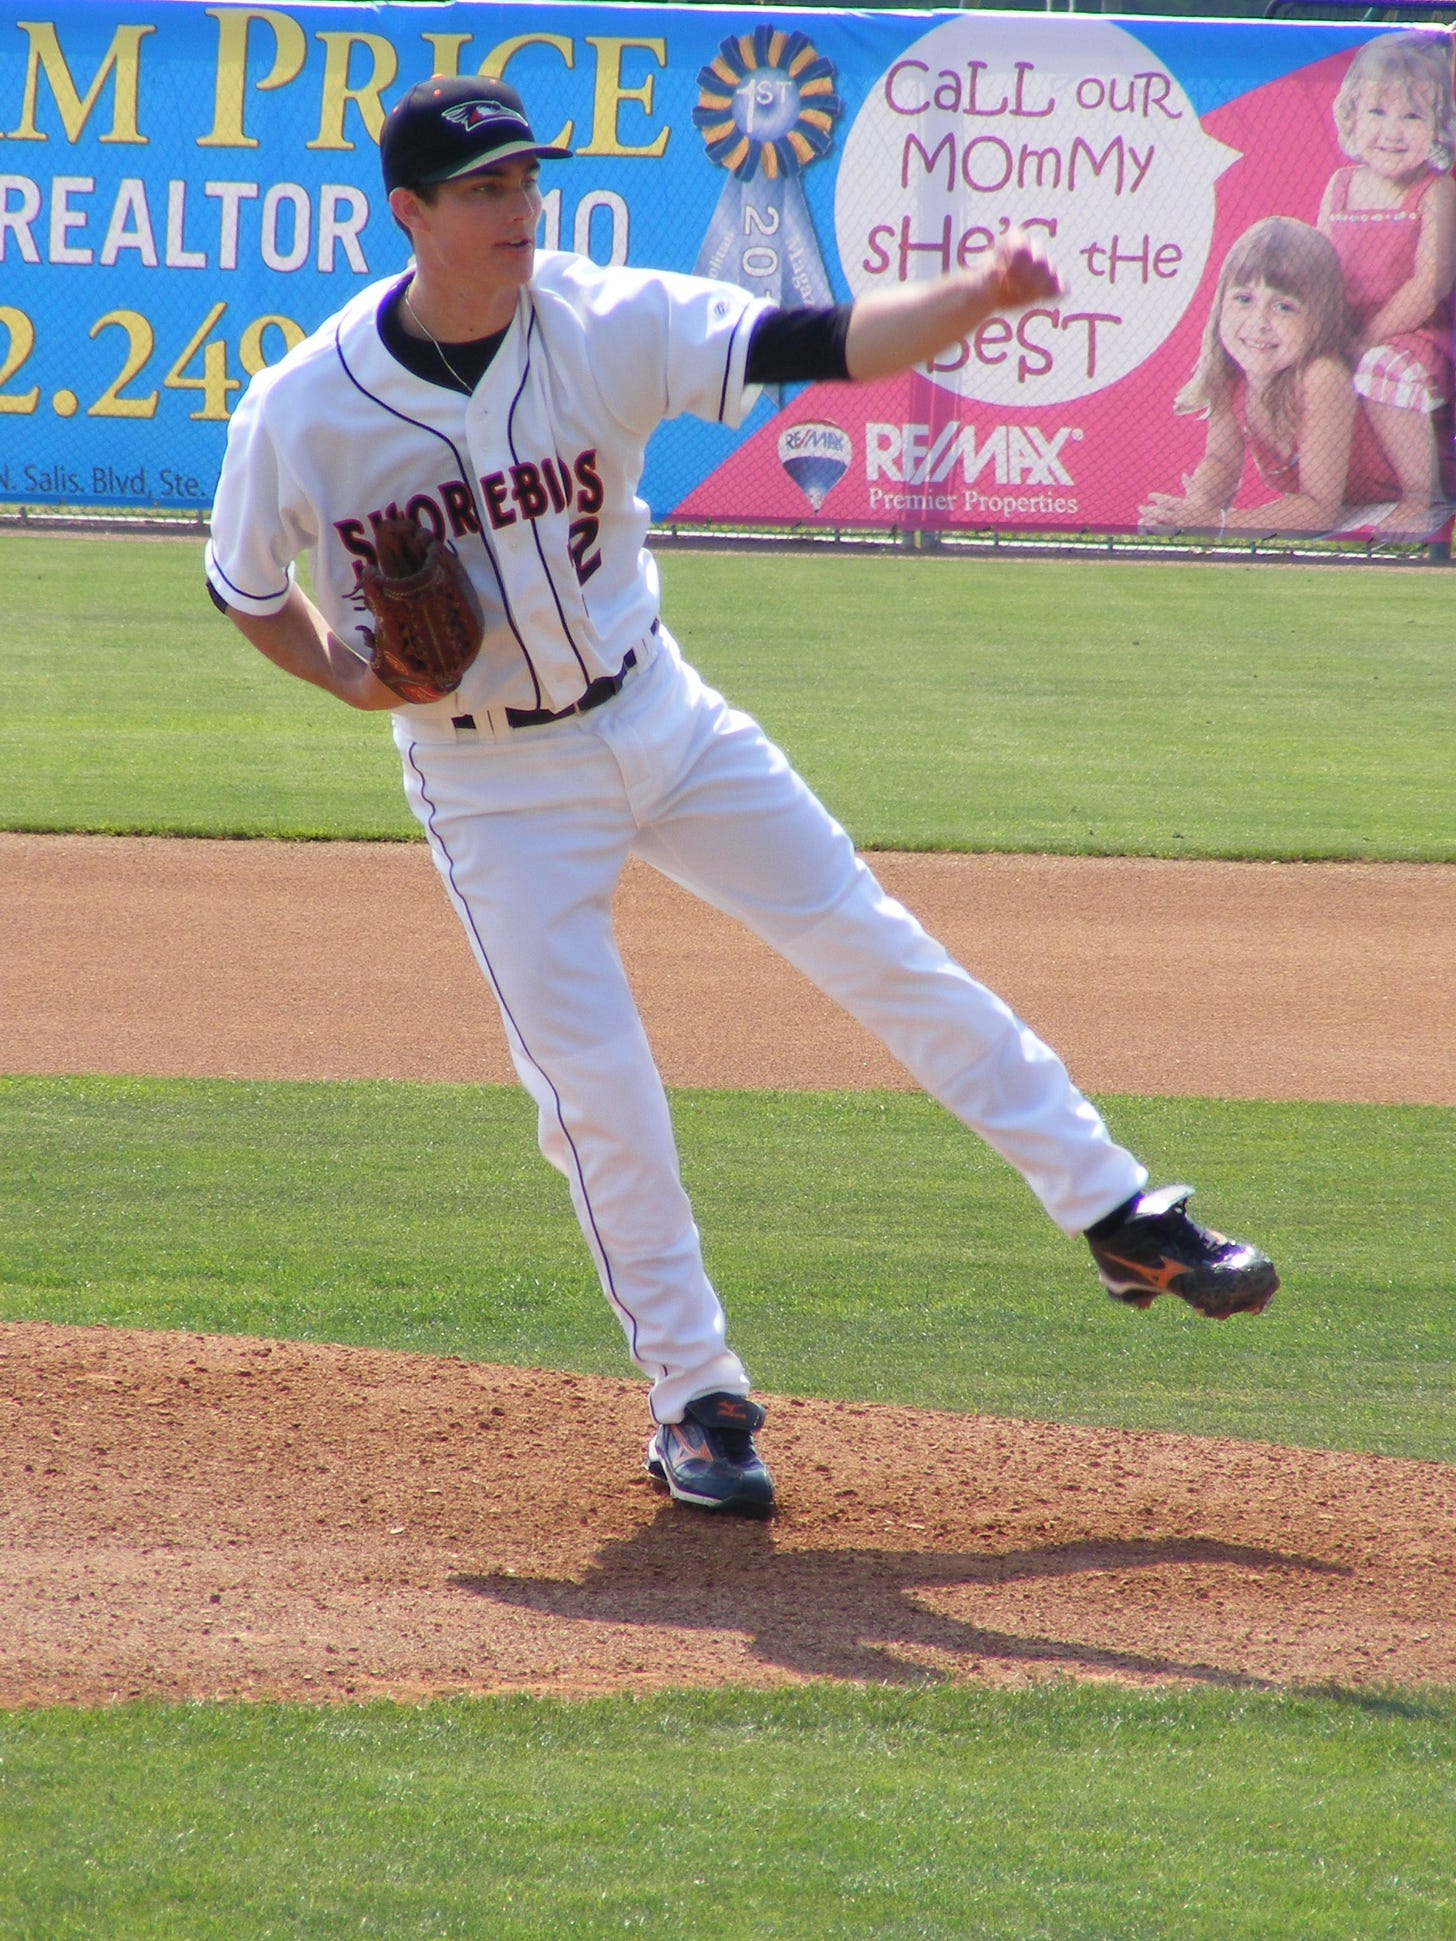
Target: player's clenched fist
1021,271
891,330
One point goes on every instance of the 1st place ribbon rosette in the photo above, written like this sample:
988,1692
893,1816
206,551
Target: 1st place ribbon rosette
766,110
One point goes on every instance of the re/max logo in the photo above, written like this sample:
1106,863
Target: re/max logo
1014,454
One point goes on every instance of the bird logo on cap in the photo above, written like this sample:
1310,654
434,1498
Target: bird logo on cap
467,116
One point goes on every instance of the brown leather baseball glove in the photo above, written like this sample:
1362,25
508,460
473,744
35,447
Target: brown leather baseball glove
428,622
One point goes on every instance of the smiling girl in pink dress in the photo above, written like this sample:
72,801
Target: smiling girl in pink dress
1273,381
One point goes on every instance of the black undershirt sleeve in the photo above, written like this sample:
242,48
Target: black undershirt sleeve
799,346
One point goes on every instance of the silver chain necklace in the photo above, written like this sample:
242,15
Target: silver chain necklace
439,348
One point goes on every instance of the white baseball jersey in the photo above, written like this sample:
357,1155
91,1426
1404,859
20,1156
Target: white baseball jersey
533,478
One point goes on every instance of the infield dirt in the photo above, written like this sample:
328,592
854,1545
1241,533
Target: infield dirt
194,1516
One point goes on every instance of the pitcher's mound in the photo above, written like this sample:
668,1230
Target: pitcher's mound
189,1516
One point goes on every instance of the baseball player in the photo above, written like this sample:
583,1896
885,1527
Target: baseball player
502,396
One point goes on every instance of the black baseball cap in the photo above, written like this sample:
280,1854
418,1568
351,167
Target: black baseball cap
447,126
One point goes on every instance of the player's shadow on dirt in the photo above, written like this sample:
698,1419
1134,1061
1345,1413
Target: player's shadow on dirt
845,1613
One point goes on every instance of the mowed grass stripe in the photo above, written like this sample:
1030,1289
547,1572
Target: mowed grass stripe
1068,706
1086,1813
867,1247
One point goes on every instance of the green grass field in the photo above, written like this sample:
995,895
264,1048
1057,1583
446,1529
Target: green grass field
1078,707
1064,1814
1084,707
947,1288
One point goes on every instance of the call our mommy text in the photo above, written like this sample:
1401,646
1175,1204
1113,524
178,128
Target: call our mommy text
1146,96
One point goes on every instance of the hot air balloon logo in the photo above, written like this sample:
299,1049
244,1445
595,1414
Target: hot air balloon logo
816,457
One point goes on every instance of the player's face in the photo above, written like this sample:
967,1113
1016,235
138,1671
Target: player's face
1394,134
481,229
1264,331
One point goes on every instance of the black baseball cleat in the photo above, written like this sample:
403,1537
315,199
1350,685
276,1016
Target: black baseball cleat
709,1458
1150,1247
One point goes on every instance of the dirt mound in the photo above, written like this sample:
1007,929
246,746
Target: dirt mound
192,1516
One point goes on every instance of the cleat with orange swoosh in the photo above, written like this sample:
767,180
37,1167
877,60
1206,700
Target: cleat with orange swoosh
1151,1247
710,1459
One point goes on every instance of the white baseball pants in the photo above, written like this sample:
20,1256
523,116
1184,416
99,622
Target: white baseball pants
531,830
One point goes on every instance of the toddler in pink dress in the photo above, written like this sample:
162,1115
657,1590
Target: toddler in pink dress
1391,215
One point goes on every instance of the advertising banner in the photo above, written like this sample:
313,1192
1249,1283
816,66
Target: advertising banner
1256,221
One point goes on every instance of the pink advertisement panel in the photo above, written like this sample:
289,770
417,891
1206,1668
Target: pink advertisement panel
1256,334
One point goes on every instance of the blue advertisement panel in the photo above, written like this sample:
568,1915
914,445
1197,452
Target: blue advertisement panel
186,190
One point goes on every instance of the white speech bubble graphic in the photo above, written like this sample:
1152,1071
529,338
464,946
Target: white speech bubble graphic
1067,126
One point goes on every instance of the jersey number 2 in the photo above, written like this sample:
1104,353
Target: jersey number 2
582,537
